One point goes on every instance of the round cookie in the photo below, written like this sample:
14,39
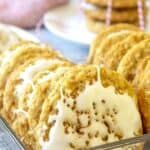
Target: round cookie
19,79
101,36
108,43
130,15
116,3
130,61
88,107
144,97
32,98
119,49
6,55
19,57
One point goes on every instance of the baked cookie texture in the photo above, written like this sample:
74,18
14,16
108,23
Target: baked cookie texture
108,43
52,103
129,62
122,12
128,56
76,93
119,49
104,33
144,102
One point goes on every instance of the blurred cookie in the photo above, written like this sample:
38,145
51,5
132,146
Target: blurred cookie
95,25
119,49
115,3
130,15
130,61
104,33
7,38
87,107
107,43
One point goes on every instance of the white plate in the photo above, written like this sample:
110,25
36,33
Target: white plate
20,32
68,22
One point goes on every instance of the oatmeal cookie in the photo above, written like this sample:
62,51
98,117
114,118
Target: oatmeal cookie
103,34
77,107
109,41
130,61
119,49
144,97
19,57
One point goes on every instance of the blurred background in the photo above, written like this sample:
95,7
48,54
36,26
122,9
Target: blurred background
69,26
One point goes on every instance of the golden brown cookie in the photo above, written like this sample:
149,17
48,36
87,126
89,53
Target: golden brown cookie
107,43
104,33
130,15
130,61
141,71
118,50
116,3
77,104
31,101
144,97
19,57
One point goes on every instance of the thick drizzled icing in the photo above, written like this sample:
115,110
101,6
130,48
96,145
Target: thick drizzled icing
32,70
97,116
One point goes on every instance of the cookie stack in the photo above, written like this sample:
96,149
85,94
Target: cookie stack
54,104
126,50
123,11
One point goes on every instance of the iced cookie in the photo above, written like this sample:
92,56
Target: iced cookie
102,34
130,61
88,107
32,94
118,50
116,3
19,57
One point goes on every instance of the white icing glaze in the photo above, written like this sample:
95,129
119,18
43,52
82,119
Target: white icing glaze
19,110
32,70
7,56
95,101
50,75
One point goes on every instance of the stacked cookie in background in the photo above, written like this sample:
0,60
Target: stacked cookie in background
54,104
125,49
123,11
